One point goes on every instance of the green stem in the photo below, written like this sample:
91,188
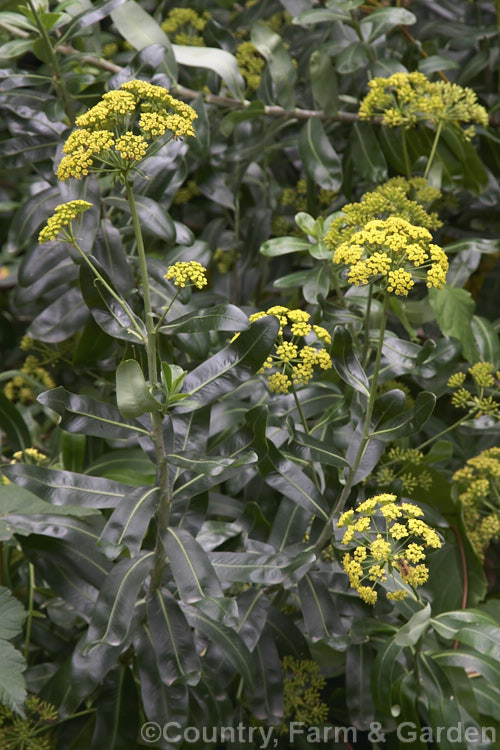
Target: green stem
405,154
29,620
366,341
58,78
108,288
150,326
299,409
433,149
162,478
365,435
443,432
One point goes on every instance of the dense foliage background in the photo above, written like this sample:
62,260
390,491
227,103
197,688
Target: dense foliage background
239,608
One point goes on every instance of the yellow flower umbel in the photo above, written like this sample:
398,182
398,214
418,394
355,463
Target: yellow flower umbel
391,539
62,217
187,273
389,251
478,484
404,99
114,135
250,64
486,384
406,199
20,388
183,26
299,349
404,464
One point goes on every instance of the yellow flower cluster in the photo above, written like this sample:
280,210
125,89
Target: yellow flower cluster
106,131
183,24
184,194
131,147
295,361
29,456
63,215
404,99
187,273
478,484
385,533
250,64
19,388
396,197
479,403
386,249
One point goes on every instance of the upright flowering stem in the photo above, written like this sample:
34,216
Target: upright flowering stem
365,436
59,83
162,478
433,150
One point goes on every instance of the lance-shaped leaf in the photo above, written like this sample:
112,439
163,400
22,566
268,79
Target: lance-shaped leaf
367,155
154,219
281,67
284,246
117,598
61,525
88,416
261,568
317,450
472,660
382,674
266,702
117,319
117,714
416,626
129,522
61,319
220,609
321,162
228,641
219,60
320,614
227,369
444,709
173,640
448,624
132,394
191,568
67,487
253,606
208,464
359,662
384,19
160,702
216,318
289,525
407,422
12,423
279,472
346,362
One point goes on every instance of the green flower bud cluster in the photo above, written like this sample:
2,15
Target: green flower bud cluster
485,383
478,483
302,686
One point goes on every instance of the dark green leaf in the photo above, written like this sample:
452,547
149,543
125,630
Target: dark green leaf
324,83
13,425
193,572
359,662
454,309
266,702
384,19
346,362
383,674
284,246
444,708
173,641
416,626
129,522
117,598
261,568
321,616
217,318
487,340
117,319
67,487
154,219
367,155
321,162
219,60
88,416
228,368
229,642
61,319
117,716
281,67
